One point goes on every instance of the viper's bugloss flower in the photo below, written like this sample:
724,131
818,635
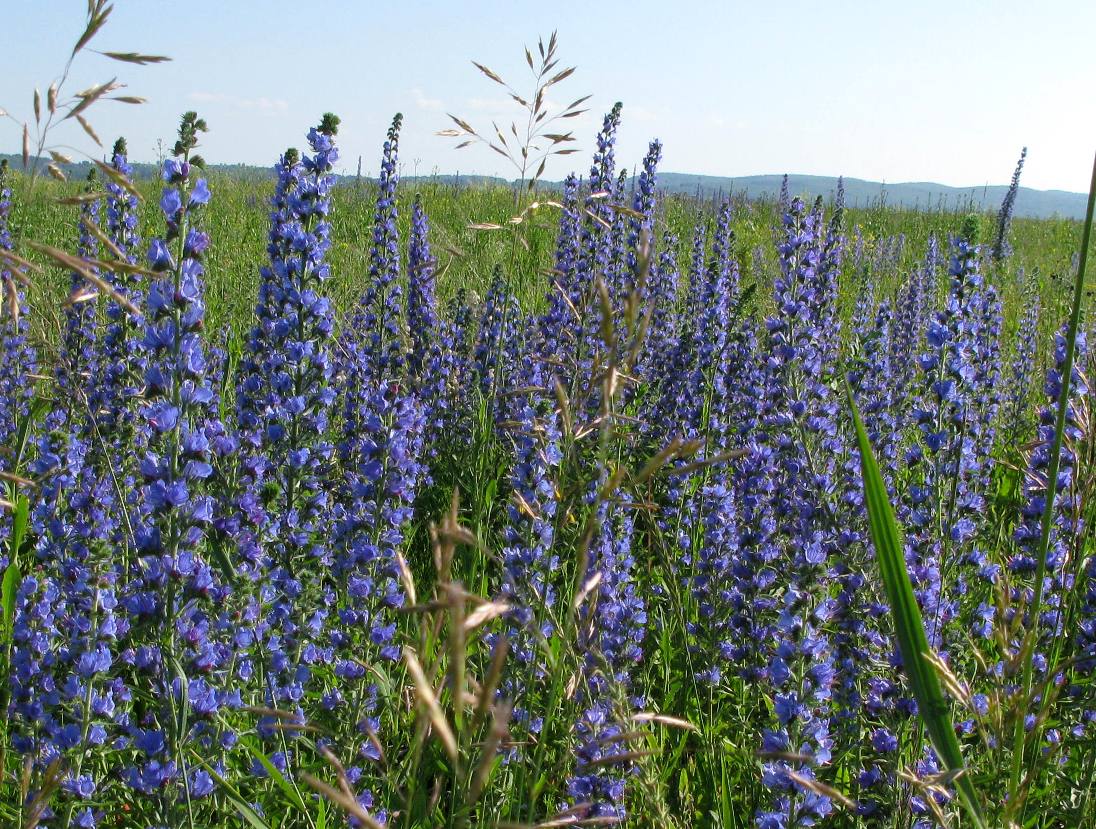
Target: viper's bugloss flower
173,594
678,344
297,365
72,649
252,385
953,373
873,380
529,557
114,398
422,312
663,302
595,257
378,320
613,620
18,361
189,590
283,524
429,359
383,463
79,357
1067,520
911,321
565,292
1022,370
1001,246
498,341
713,574
807,451
986,360
640,226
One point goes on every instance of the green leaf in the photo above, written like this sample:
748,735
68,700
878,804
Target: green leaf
250,816
224,563
1035,609
37,409
279,779
909,628
7,600
12,573
19,523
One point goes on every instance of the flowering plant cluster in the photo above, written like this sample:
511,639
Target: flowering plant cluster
217,593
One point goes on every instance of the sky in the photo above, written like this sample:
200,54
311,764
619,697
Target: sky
947,92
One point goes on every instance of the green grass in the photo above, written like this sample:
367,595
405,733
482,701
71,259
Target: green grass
704,775
237,220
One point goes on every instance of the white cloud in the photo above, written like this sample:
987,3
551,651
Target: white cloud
639,114
265,104
207,97
423,101
261,104
492,104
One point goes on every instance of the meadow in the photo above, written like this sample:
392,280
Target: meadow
329,500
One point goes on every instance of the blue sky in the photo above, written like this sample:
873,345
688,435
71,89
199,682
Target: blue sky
894,91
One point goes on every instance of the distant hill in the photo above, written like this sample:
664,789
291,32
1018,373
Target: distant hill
141,170
858,193
248,172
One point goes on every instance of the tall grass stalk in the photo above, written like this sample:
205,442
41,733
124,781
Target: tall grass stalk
909,627
1028,653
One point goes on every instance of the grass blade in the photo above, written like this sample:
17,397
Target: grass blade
233,796
1031,635
909,627
12,573
38,410
291,794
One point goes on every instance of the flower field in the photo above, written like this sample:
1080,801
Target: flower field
329,501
